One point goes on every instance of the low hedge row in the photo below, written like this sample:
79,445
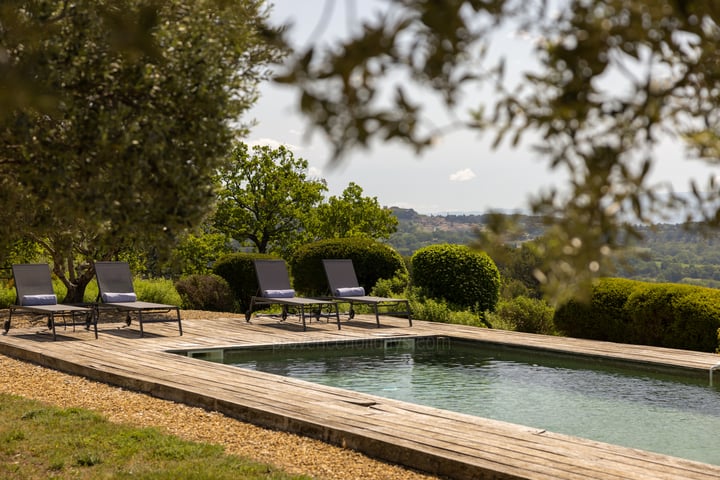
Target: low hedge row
659,314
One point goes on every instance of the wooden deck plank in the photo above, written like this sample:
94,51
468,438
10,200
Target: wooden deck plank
437,441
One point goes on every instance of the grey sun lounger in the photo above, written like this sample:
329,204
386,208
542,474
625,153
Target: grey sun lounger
274,289
35,295
116,291
344,287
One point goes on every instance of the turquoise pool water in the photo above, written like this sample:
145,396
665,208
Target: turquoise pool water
663,412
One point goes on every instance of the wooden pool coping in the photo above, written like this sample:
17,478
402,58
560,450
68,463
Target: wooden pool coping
435,441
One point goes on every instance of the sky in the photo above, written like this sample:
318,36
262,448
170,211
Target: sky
462,173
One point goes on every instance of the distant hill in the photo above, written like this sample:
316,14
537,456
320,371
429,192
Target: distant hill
416,230
668,252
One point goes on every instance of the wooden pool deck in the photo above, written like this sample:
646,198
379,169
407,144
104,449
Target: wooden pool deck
435,441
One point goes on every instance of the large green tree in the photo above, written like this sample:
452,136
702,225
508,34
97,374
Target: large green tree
117,117
613,80
354,215
267,198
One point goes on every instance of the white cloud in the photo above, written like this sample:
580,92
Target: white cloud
272,143
314,172
462,175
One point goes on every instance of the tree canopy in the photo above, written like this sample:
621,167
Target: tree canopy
615,78
119,115
267,197
354,215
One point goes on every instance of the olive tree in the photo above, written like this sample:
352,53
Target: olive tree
120,112
614,79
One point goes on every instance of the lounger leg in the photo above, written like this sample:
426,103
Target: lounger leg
93,316
407,304
377,315
337,315
248,314
302,315
51,324
6,325
179,321
140,322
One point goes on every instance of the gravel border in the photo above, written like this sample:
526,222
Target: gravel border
289,452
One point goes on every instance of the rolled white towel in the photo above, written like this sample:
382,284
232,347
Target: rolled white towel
278,293
42,299
114,297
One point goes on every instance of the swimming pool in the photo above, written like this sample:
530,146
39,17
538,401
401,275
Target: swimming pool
668,412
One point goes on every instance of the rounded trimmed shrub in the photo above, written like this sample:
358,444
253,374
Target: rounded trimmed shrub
372,261
205,292
238,271
458,274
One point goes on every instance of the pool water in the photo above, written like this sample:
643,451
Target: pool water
674,414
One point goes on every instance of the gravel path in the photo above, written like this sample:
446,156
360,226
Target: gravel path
292,453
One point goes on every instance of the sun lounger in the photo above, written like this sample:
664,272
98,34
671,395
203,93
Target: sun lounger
35,295
116,292
344,287
274,289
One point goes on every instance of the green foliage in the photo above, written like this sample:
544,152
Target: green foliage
266,198
675,316
438,310
205,292
75,443
238,271
523,314
666,315
157,290
353,215
457,274
196,253
372,261
602,315
7,296
394,287
132,127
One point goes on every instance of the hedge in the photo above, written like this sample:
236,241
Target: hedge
658,314
372,261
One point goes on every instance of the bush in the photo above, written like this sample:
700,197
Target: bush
158,290
659,314
523,314
392,287
238,271
458,274
602,316
205,292
675,316
433,310
372,261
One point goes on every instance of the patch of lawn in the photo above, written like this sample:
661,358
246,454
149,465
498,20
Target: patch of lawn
42,442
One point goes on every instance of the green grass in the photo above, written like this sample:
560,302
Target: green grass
42,442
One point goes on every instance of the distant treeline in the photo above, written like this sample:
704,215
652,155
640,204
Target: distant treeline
667,253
